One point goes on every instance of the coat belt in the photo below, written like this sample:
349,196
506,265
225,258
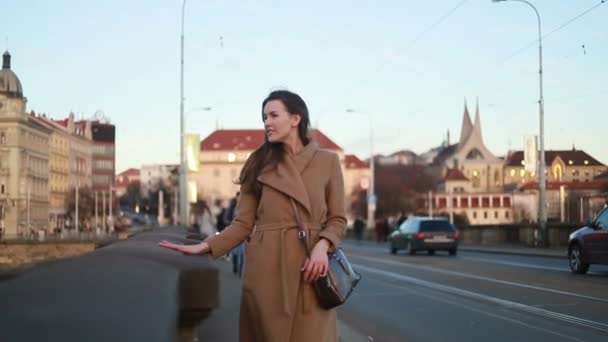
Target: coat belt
283,227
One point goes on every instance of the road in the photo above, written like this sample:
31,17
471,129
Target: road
473,297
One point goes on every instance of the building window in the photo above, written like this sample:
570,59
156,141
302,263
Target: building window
476,182
558,172
506,214
2,189
231,157
475,154
496,214
2,138
512,172
485,214
474,214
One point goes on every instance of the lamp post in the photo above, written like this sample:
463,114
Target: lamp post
542,186
183,194
371,195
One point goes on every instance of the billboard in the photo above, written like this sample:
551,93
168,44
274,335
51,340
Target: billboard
192,152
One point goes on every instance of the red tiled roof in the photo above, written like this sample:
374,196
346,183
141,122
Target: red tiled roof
63,122
251,139
129,172
124,178
351,161
594,185
47,121
455,175
578,158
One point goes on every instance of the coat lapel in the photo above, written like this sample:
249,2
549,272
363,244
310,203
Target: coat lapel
287,176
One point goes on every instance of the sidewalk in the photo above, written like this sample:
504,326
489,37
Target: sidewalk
495,249
223,323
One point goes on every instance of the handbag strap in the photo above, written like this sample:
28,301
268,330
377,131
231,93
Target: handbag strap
301,230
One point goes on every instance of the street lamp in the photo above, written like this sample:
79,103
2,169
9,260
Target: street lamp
371,195
183,195
542,214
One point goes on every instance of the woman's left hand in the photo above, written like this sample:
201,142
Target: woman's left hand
317,265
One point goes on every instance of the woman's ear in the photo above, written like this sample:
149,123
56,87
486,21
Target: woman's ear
295,120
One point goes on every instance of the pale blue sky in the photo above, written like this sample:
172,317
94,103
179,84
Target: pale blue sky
382,57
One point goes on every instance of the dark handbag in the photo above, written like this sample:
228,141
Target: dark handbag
334,288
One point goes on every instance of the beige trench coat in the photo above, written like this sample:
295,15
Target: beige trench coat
277,305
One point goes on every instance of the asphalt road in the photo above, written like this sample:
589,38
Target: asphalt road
474,297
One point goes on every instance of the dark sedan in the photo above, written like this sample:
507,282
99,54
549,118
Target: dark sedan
425,234
589,245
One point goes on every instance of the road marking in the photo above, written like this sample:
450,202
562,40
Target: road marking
478,296
476,277
468,307
519,264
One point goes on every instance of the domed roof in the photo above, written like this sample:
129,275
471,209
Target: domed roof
9,82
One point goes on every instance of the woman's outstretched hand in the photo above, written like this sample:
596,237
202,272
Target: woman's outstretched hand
317,265
198,249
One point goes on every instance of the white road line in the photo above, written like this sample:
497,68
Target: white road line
520,264
478,296
476,277
469,307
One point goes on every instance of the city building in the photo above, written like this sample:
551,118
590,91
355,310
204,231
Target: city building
104,154
561,166
59,171
123,179
471,156
24,160
223,154
153,177
80,152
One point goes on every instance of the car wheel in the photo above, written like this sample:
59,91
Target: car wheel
453,251
408,248
392,249
577,265
431,252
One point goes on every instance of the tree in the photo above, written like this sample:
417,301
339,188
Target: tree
131,197
396,187
86,203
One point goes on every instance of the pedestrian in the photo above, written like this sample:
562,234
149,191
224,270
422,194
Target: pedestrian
237,254
385,229
359,228
221,223
278,302
204,220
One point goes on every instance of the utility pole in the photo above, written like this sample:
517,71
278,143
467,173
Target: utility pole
76,195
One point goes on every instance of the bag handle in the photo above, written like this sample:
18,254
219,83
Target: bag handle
301,230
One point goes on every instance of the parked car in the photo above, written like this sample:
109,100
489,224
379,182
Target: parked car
425,234
589,245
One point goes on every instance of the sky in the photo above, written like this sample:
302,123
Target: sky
405,66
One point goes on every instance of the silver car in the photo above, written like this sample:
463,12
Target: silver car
425,234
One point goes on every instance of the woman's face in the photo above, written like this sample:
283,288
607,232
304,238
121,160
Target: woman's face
279,124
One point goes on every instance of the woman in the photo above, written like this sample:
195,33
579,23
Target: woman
204,220
278,302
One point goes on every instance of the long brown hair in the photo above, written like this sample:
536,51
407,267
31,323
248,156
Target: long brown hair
270,154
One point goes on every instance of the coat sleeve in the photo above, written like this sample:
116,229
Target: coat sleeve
336,214
240,228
